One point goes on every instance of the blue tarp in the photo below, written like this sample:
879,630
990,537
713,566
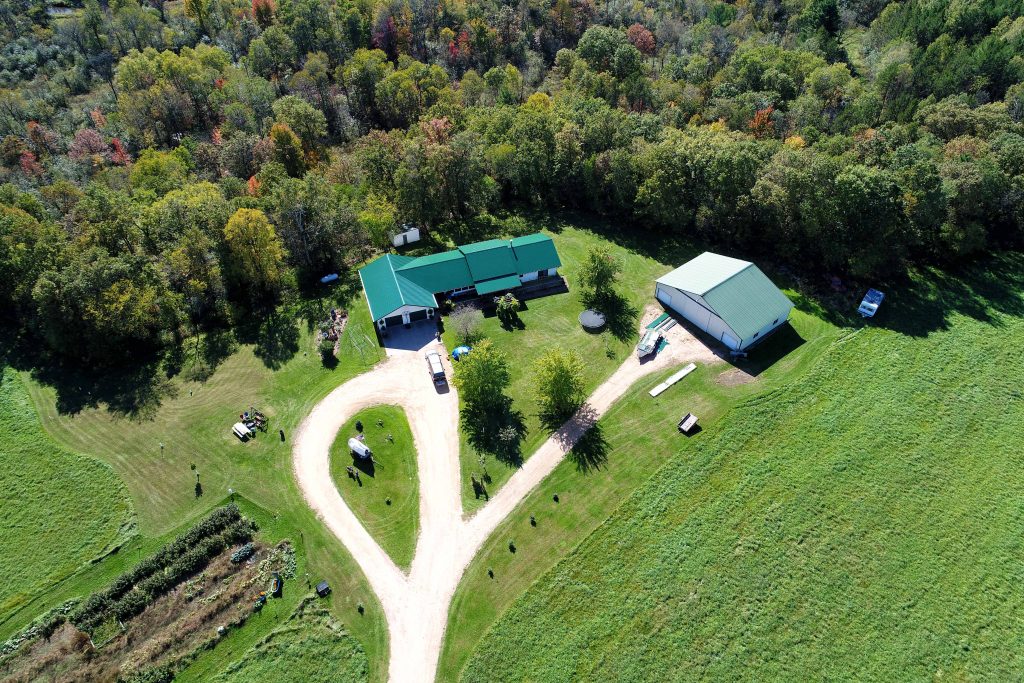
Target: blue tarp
329,278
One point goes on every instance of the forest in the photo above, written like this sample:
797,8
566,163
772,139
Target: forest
167,168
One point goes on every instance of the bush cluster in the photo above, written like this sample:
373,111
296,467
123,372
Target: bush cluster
130,593
243,553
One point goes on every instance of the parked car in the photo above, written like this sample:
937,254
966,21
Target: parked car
869,306
435,367
648,343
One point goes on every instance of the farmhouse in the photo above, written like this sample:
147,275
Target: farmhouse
401,289
730,299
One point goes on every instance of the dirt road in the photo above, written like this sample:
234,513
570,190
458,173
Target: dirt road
416,605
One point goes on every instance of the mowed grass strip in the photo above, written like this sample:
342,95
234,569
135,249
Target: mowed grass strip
385,498
58,509
552,322
863,523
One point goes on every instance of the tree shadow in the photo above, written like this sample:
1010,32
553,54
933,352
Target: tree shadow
497,430
207,353
620,315
581,435
979,290
275,339
135,393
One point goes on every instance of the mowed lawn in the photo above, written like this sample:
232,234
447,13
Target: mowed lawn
385,498
861,523
193,421
552,322
58,510
609,465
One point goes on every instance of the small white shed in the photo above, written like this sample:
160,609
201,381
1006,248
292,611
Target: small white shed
731,300
408,235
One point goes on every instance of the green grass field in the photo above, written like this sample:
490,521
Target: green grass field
192,420
393,477
860,523
310,648
58,511
613,462
552,322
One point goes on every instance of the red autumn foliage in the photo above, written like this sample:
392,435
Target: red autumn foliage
29,165
254,187
642,39
263,12
88,144
120,155
762,125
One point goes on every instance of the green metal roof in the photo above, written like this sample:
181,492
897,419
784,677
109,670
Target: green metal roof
497,284
386,293
535,252
737,291
701,274
438,272
490,259
391,282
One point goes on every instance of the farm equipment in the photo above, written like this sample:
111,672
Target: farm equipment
277,585
260,601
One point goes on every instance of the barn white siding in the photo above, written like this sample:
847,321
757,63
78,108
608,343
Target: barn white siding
693,308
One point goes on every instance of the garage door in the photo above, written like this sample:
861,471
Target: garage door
393,321
418,315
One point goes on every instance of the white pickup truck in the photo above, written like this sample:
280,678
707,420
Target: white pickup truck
435,367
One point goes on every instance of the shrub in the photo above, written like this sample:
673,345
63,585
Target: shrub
243,553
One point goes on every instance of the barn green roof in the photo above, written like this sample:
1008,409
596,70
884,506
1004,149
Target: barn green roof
391,281
737,291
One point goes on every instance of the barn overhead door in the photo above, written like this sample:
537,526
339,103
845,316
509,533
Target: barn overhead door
393,320
418,315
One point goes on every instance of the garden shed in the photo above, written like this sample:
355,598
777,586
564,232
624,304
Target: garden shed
731,300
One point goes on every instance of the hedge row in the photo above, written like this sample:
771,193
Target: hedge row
130,593
213,523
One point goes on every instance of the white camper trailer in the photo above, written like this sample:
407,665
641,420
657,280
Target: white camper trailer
359,448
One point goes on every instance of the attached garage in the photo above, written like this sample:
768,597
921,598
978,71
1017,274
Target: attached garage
729,299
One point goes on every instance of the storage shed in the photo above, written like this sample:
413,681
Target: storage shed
731,300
